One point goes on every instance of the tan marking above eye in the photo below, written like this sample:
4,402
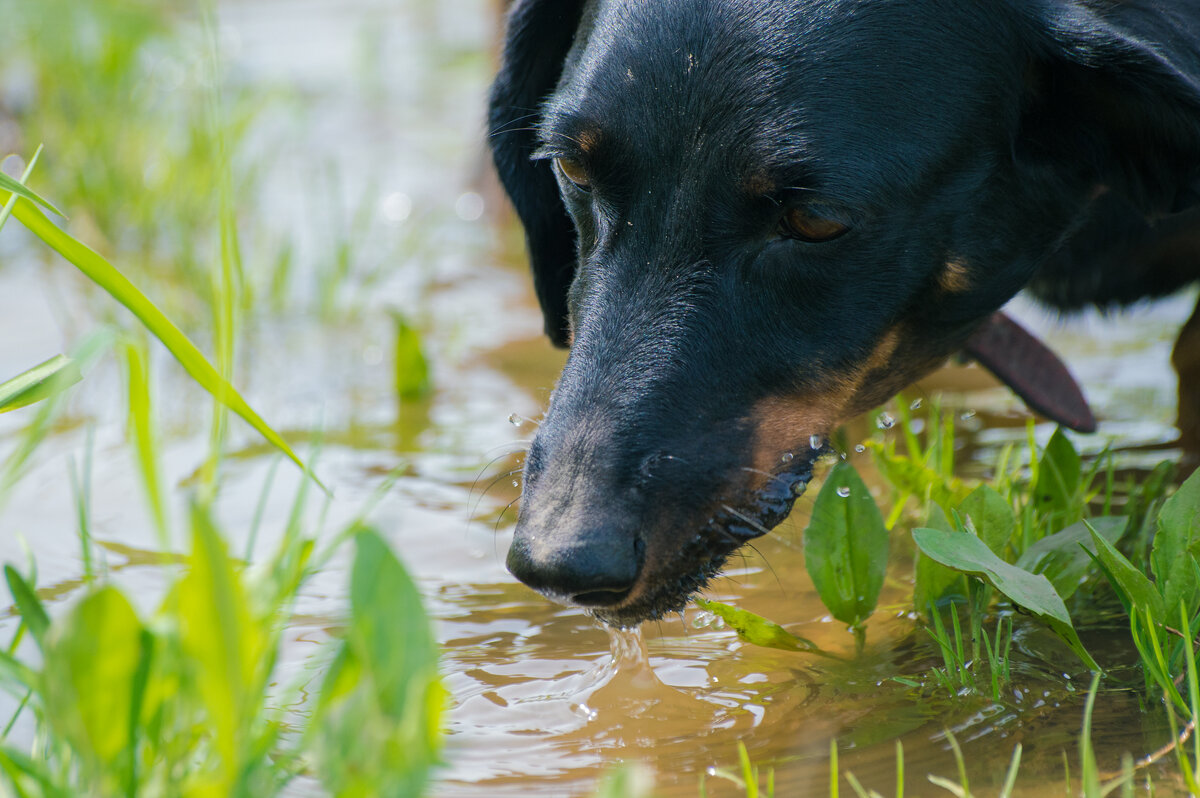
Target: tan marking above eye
955,277
805,225
573,171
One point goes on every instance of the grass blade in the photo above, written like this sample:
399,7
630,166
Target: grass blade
141,424
40,382
105,275
17,188
28,604
1010,779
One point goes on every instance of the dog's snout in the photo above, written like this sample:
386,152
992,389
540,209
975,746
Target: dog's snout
598,569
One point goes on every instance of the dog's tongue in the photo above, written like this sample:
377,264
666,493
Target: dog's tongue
1034,373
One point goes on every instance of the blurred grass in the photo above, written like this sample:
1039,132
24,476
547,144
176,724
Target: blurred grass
147,157
118,91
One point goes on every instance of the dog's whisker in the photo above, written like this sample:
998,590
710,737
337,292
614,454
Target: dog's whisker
754,524
489,464
492,484
500,517
768,475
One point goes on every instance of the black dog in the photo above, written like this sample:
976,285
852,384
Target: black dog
754,219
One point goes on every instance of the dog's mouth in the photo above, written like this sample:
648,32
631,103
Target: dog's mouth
693,565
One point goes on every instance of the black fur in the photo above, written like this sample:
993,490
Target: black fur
971,147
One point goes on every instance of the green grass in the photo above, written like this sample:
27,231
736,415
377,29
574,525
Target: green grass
176,701
183,699
179,702
1031,544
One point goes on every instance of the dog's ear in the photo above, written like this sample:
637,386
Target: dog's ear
1116,95
539,35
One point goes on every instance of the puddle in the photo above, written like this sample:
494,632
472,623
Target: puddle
544,700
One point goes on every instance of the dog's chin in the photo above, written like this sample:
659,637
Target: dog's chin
663,598
698,560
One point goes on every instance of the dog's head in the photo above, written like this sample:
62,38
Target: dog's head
754,219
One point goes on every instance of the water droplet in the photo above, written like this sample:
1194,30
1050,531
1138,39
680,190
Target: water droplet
516,484
860,448
787,457
916,405
711,770
814,441
515,420
885,421
967,415
844,491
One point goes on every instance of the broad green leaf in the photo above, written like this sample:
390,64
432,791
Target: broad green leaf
933,583
1058,479
381,593
224,644
411,367
1177,546
1136,591
1064,557
377,726
91,664
758,630
991,516
967,553
103,274
846,546
43,380
28,604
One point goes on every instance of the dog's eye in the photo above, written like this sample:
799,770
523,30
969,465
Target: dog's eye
573,171
804,225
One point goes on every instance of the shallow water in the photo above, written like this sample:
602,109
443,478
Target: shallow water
544,699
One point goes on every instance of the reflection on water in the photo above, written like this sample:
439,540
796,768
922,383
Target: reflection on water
544,699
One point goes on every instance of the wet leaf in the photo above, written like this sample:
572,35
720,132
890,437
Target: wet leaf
43,380
1136,591
934,584
758,630
967,553
1064,557
92,661
846,546
1177,546
992,517
1058,480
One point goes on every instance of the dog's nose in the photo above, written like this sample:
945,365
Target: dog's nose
595,570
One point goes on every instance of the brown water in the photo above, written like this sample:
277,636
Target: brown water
544,699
